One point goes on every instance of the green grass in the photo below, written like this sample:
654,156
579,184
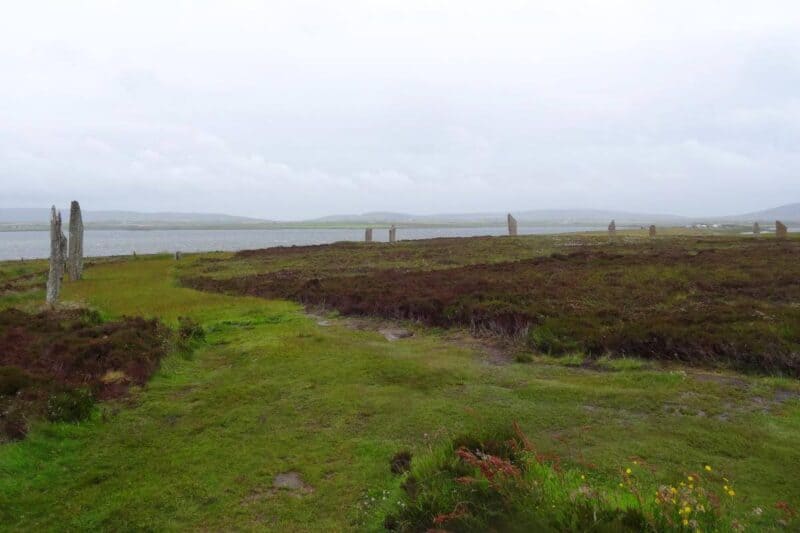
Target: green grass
22,283
271,391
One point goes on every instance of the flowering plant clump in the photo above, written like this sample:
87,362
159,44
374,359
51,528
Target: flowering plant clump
507,484
694,503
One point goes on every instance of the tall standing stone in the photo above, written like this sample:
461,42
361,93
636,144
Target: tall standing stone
780,230
75,256
393,233
612,229
756,229
368,235
56,257
512,225
652,230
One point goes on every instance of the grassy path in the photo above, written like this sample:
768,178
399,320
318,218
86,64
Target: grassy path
273,392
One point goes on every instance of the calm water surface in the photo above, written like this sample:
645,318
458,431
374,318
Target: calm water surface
36,244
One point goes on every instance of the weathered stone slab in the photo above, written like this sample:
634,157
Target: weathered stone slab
512,225
756,229
178,255
393,233
75,255
612,229
368,235
652,230
56,258
781,232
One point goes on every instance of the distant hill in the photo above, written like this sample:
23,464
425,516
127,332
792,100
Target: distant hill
596,216
42,216
567,217
38,218
376,217
540,216
784,213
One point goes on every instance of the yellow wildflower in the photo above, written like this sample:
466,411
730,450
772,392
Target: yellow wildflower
708,468
628,471
685,522
690,478
687,509
583,477
731,493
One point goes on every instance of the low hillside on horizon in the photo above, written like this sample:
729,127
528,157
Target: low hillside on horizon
38,218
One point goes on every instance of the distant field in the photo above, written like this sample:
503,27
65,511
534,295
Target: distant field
728,300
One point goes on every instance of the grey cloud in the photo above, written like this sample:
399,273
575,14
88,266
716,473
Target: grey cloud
281,111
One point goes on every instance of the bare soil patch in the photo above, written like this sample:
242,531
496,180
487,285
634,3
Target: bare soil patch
292,482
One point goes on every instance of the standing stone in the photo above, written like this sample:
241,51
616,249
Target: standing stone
56,257
512,225
368,235
64,254
75,256
612,229
393,233
780,230
756,229
178,256
652,230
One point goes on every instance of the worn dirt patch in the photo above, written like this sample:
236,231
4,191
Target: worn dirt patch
395,334
784,395
491,349
293,482
731,381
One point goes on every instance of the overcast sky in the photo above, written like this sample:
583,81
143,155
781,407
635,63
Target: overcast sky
295,109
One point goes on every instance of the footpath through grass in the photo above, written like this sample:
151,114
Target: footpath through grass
273,392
